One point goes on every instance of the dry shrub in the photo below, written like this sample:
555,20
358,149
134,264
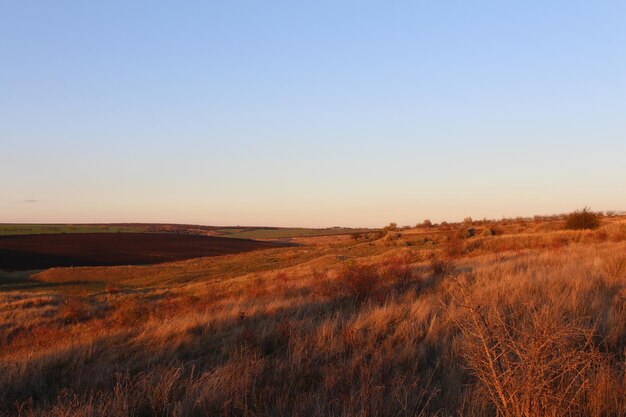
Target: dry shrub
391,227
582,219
440,267
535,364
361,281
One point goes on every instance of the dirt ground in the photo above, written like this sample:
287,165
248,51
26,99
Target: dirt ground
105,249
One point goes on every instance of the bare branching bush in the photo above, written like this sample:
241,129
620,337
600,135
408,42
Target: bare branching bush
582,219
531,365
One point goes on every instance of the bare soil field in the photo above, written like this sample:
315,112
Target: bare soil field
105,249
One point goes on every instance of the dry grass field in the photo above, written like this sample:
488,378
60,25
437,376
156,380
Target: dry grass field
509,318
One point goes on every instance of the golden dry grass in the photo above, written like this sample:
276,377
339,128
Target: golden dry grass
529,322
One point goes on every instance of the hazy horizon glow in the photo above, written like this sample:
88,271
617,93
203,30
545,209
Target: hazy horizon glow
321,114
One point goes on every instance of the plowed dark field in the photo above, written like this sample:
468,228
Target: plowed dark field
105,249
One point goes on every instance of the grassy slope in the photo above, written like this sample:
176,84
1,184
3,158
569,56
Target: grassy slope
289,332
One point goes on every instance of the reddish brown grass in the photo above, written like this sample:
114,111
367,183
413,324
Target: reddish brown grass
506,327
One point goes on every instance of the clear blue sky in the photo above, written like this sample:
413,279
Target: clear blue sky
314,113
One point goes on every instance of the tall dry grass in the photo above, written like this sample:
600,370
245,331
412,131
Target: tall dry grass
371,331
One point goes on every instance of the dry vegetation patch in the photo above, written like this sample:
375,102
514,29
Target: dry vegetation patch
527,324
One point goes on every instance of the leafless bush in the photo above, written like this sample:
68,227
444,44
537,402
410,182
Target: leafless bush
531,365
582,219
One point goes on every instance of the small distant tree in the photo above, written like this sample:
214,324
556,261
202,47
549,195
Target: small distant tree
582,219
427,223
468,220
